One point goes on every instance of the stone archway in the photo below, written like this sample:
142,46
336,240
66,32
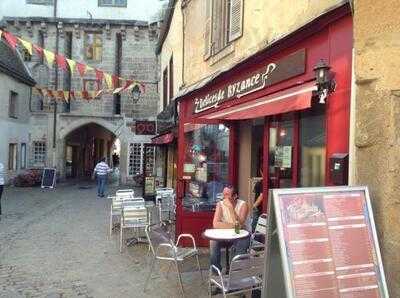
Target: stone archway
82,142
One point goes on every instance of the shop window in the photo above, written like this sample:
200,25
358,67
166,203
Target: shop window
224,24
13,105
206,165
117,3
12,157
135,159
312,148
23,156
93,46
39,152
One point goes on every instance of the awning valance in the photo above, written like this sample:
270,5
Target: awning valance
163,139
289,100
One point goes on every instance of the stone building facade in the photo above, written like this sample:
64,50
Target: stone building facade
376,141
121,47
15,92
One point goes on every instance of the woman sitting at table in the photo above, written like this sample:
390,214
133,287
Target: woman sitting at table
228,212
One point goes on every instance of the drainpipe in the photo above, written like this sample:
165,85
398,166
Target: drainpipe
55,87
183,44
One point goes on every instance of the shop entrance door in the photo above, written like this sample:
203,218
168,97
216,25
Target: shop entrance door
282,151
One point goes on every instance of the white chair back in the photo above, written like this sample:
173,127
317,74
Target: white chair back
124,194
133,202
261,227
134,215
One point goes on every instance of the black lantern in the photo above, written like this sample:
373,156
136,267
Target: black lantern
323,76
322,72
135,94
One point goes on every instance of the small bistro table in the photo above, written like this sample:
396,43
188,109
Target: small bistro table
226,237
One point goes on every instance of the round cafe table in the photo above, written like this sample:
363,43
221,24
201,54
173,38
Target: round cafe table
226,237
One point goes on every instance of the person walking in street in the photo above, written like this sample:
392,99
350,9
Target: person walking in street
2,181
258,198
101,172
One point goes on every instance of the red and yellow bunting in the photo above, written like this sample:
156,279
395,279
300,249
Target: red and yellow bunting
113,82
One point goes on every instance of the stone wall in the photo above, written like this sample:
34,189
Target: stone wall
377,127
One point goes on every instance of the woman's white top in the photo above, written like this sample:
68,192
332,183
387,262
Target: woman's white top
226,216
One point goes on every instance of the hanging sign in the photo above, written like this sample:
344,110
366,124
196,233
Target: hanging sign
271,73
145,127
328,243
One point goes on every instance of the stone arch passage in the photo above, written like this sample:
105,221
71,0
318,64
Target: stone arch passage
85,145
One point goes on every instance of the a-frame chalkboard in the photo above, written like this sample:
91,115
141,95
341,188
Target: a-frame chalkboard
326,244
49,178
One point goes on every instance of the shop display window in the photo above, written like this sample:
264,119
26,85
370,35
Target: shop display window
206,165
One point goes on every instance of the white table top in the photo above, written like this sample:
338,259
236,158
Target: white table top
225,234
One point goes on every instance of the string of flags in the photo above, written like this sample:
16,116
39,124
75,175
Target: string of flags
114,84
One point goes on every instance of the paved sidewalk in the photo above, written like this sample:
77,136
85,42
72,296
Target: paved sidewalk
54,243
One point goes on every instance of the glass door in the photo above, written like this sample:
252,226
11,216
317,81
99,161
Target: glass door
282,151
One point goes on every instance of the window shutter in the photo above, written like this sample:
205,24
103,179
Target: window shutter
207,31
218,22
236,19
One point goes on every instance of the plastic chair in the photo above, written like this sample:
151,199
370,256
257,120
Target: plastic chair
245,274
162,248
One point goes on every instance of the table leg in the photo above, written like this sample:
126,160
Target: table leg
227,257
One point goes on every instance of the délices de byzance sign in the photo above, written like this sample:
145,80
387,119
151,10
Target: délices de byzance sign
280,70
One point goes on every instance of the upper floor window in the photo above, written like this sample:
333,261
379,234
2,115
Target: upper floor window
224,24
13,105
93,46
118,3
42,2
165,88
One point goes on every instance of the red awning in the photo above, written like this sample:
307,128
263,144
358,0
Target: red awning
163,139
292,99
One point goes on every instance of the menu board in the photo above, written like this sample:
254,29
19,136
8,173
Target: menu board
328,243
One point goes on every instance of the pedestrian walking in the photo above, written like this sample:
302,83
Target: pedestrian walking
2,178
101,172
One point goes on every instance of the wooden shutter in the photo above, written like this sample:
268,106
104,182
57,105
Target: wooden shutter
207,31
236,19
218,26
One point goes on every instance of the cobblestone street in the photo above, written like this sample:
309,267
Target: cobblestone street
54,243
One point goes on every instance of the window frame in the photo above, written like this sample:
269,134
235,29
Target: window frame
85,46
40,2
100,3
23,156
135,150
13,159
43,154
13,104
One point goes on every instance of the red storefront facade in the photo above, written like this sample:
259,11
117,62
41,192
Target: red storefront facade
277,87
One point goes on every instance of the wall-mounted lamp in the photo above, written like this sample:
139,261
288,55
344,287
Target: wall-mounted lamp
325,82
135,94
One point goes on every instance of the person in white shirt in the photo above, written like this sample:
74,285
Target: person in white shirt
101,172
2,181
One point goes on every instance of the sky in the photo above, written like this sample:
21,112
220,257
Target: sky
147,9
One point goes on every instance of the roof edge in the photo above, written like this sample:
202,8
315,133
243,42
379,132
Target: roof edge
166,25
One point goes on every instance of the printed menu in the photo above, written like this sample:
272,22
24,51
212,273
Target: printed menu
329,242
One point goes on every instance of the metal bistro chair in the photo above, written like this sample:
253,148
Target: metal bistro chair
165,200
116,205
257,239
134,216
163,248
245,274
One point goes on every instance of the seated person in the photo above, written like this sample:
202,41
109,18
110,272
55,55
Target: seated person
229,211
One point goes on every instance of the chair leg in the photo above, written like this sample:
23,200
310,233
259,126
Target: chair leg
150,273
121,239
169,269
198,266
179,278
111,225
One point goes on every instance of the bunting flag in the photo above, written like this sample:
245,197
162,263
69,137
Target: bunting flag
49,57
61,62
38,50
99,75
114,83
27,45
11,39
72,65
109,80
81,68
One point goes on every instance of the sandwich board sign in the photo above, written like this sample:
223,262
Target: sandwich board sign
49,178
328,244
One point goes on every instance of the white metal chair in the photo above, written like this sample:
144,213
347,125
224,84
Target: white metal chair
123,194
257,239
162,248
245,274
133,216
165,200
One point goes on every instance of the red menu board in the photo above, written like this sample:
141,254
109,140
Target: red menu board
328,243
